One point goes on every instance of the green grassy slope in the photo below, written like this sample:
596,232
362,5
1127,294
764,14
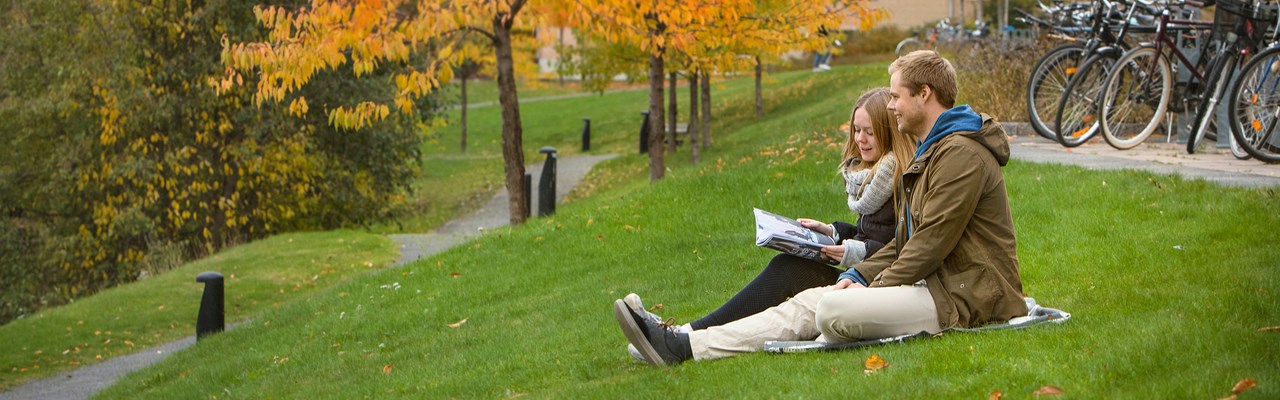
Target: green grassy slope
1169,282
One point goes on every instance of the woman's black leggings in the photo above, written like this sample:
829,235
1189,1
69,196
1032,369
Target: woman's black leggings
785,276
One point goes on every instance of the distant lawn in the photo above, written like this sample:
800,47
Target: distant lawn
258,276
1169,282
455,183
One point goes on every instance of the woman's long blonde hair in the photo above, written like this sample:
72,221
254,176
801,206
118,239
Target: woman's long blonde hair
884,127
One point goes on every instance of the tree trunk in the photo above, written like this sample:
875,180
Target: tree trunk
693,116
672,120
706,110
656,166
512,132
759,76
463,122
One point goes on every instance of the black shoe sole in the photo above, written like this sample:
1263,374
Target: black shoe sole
635,334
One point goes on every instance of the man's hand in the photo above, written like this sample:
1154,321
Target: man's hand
819,227
847,283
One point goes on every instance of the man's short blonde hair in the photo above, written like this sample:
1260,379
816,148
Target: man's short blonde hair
926,67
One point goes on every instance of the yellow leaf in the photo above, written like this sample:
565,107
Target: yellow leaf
386,369
874,363
459,323
1243,385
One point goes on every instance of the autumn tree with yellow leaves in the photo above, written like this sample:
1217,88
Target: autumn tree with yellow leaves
120,159
711,35
363,34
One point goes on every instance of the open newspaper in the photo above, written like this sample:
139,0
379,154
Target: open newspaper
788,236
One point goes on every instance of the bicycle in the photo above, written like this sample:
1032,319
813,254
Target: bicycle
1235,25
1138,90
946,37
1254,106
1050,73
1075,121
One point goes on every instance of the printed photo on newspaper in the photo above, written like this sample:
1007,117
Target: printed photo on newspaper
788,236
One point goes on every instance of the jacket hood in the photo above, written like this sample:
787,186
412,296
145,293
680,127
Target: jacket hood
963,121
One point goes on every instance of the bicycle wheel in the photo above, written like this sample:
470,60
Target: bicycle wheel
1219,75
1254,106
908,45
1048,79
1077,119
1135,97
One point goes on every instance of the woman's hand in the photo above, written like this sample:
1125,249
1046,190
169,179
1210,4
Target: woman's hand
819,227
847,283
835,252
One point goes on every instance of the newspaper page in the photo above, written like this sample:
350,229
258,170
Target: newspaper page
788,236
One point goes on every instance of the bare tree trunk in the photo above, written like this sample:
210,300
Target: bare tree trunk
693,116
673,120
512,131
464,113
706,110
759,77
656,167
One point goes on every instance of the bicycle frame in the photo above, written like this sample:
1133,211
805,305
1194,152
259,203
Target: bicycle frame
1162,39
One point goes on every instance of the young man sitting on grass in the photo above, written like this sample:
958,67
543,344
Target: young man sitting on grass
953,261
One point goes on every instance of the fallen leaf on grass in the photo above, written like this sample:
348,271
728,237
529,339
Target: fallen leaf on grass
995,395
874,363
1243,385
1231,397
657,307
1048,391
459,323
1269,329
386,369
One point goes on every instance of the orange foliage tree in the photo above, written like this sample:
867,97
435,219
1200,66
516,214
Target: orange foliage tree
710,35
364,34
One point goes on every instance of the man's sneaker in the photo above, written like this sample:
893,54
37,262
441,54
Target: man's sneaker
825,67
633,302
657,344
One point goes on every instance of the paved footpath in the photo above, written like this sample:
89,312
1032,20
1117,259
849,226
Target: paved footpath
87,381
1214,165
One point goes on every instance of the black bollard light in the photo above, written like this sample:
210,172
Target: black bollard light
547,185
586,134
528,191
644,133
211,318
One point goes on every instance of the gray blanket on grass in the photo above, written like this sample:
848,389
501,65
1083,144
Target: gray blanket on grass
1037,315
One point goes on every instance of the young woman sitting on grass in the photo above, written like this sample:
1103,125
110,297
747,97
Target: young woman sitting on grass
869,169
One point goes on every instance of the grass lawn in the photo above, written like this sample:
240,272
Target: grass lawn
1169,282
126,319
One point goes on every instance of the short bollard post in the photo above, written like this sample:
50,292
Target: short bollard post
547,185
644,133
211,318
528,191
586,134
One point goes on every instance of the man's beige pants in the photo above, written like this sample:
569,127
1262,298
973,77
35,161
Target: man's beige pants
837,315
